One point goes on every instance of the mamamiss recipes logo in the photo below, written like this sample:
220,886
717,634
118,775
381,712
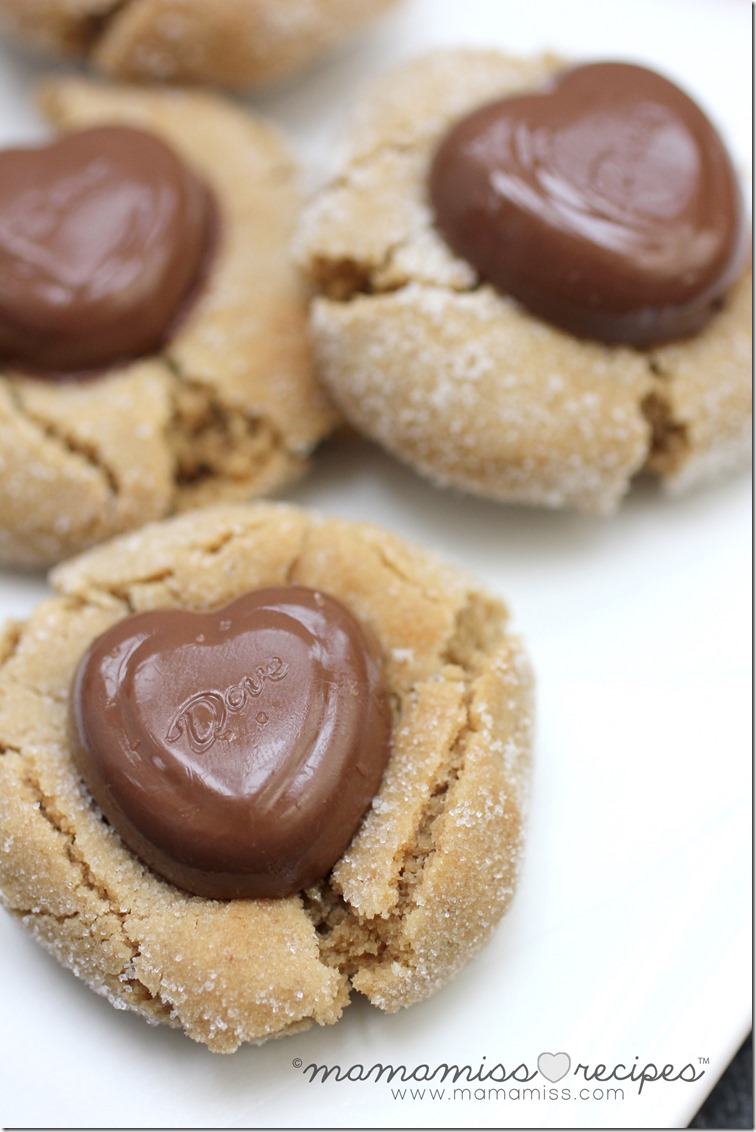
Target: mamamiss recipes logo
553,1077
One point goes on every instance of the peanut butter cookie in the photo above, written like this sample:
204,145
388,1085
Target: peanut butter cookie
464,381
237,44
227,407
433,865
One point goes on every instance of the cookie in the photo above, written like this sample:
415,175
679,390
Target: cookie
433,865
467,384
227,408
237,44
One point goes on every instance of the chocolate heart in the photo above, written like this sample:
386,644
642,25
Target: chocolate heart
104,235
605,202
235,751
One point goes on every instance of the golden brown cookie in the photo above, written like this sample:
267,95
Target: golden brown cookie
230,409
459,380
428,874
236,44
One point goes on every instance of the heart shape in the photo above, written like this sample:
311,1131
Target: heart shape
554,1066
605,202
234,751
104,235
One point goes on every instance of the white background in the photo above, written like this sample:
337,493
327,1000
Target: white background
630,936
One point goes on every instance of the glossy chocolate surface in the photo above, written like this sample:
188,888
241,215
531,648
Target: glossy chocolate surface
235,751
104,236
605,202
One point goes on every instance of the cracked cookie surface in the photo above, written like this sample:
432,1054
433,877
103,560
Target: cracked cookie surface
230,409
427,876
460,381
236,44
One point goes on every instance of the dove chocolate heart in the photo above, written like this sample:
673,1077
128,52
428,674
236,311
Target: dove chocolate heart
105,235
604,201
236,751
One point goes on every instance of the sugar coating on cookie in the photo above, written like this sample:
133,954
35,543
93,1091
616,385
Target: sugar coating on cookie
423,883
459,380
228,409
236,44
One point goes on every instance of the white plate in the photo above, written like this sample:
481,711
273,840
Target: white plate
629,941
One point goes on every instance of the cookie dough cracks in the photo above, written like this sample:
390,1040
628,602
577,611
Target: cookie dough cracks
423,883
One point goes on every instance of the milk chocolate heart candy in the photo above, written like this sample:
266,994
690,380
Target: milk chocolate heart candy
236,751
605,202
104,235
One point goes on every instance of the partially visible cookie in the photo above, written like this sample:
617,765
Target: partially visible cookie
235,44
229,408
461,380
427,876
